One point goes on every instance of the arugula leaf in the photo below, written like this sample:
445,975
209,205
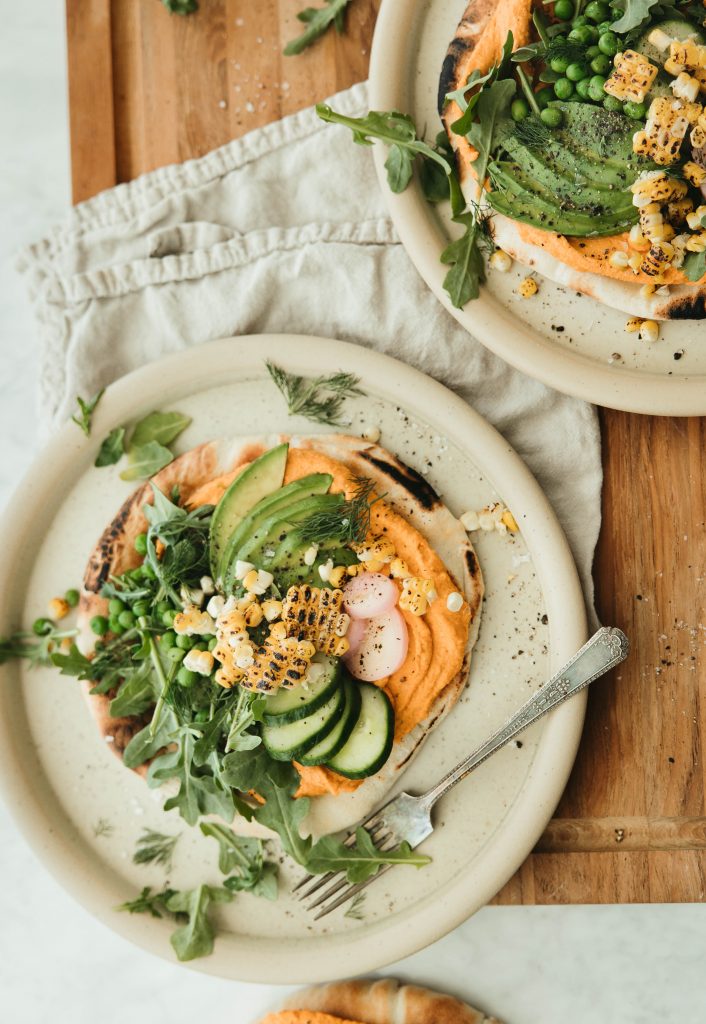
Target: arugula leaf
265,886
163,427
463,124
83,418
201,791
181,6
695,265
155,848
144,744
636,11
72,664
245,856
361,861
146,460
195,938
136,694
318,20
319,399
398,132
112,448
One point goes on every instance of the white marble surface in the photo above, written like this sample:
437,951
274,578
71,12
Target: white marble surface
616,965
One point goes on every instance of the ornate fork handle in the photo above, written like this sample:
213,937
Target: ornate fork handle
606,648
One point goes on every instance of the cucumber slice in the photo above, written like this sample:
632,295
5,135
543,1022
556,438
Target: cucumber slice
370,742
317,687
338,737
287,742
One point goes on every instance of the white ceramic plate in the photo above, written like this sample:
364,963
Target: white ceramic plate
566,340
64,785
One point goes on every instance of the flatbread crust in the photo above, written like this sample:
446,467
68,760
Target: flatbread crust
382,1001
477,44
405,490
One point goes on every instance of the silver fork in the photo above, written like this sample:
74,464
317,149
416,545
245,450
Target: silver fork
407,818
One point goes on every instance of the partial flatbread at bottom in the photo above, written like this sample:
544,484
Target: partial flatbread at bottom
477,44
382,1001
404,489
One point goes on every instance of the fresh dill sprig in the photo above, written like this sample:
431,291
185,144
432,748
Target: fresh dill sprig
36,650
563,48
148,902
155,848
355,911
86,408
531,132
347,523
319,399
102,828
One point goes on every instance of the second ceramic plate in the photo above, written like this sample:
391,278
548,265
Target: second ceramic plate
568,341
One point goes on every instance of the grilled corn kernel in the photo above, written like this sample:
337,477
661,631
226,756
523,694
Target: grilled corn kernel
244,655
375,549
527,287
679,209
277,663
354,570
399,569
632,77
229,676
658,258
242,569
193,622
694,173
635,262
337,576
500,260
656,187
660,39
230,622
649,330
697,243
697,138
509,521
664,132
697,218
372,434
325,570
618,259
416,595
271,609
278,631
633,324
374,565
305,649
58,608
310,554
687,53
636,239
253,615
250,580
648,290
199,661
316,614
685,87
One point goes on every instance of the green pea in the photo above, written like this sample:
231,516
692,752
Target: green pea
162,607
135,574
200,646
609,43
519,110
115,606
168,617
575,72
184,641
141,543
552,117
612,104
42,626
564,10
564,89
601,64
636,111
127,619
185,677
582,88
592,52
595,88
116,626
597,11
148,572
99,625
605,26
141,608
580,21
175,654
544,96
586,35
213,643
559,64
72,597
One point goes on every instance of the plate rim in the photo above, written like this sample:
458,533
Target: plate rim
572,373
384,941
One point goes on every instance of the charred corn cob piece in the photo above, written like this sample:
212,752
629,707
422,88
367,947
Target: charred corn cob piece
664,132
632,77
679,209
315,614
687,53
658,258
656,187
278,663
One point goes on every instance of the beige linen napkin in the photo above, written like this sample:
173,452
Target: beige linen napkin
284,230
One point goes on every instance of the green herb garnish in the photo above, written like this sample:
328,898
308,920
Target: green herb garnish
112,449
315,398
347,523
155,848
163,427
318,20
36,650
531,132
355,910
85,412
146,460
193,938
102,828
244,856
181,6
695,266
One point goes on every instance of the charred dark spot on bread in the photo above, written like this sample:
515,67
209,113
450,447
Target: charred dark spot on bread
690,307
471,562
100,564
406,477
467,35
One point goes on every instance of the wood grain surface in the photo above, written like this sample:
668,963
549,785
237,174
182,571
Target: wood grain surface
148,88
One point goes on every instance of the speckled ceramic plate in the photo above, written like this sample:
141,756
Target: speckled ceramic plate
83,811
566,340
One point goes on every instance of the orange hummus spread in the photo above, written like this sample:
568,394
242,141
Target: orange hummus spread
583,254
304,1017
437,640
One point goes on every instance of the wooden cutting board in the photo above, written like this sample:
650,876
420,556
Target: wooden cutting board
148,88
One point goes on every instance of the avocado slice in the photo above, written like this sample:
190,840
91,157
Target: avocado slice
305,487
289,565
530,209
561,193
261,477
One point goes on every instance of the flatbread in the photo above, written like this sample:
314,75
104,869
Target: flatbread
405,490
382,1001
477,44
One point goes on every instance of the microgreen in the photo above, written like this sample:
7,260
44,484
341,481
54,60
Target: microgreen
318,20
112,449
86,408
148,902
315,398
155,848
